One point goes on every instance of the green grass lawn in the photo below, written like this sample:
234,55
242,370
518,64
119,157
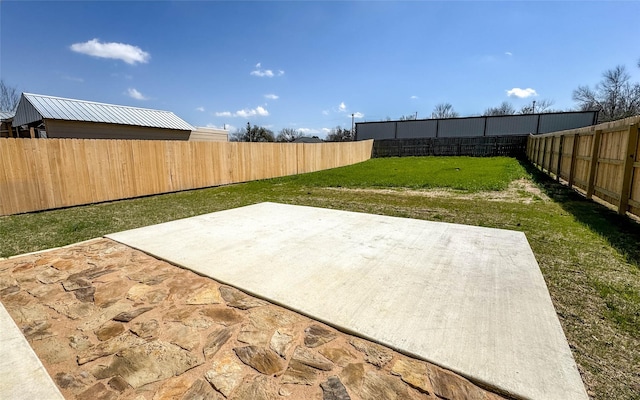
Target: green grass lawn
461,173
588,255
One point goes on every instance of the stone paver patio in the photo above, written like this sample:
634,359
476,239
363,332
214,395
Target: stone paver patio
111,322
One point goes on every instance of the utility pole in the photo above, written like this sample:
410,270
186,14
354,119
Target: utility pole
353,135
533,108
416,115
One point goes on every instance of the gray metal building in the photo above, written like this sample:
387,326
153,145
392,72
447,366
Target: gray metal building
503,125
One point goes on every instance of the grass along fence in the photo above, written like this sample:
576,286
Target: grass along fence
41,174
600,160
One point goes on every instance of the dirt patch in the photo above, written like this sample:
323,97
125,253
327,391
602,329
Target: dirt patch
519,191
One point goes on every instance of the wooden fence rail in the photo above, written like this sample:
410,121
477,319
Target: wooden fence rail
41,174
600,160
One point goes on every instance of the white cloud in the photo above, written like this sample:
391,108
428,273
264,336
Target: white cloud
325,112
134,94
73,79
414,97
342,107
261,73
272,96
326,130
260,111
309,131
521,93
201,109
118,51
244,113
508,53
265,72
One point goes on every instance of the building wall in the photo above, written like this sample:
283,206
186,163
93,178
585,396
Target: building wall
417,129
209,135
512,125
5,127
475,126
461,127
561,122
57,129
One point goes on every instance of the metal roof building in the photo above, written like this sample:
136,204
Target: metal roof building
57,117
500,125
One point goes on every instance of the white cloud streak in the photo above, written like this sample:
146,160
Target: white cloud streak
521,93
244,113
73,79
342,107
201,109
134,94
508,53
117,51
271,96
414,97
265,72
309,131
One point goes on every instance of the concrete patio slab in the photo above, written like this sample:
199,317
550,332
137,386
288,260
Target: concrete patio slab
470,299
22,375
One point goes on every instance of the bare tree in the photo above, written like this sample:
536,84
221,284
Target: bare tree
288,135
9,97
503,109
615,97
444,110
253,133
538,107
338,134
410,117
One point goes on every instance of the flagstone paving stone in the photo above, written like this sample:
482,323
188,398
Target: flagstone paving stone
110,322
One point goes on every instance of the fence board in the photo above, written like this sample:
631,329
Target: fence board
602,160
41,174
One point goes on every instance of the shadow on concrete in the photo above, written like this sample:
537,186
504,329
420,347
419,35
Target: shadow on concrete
622,232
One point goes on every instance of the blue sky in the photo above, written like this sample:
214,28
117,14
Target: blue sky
310,65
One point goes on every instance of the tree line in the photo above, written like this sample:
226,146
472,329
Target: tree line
255,133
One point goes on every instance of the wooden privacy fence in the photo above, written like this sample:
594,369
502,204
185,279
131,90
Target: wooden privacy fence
41,174
600,160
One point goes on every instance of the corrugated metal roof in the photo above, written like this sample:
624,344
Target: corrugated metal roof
34,107
6,115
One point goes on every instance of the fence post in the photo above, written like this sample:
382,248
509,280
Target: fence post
595,151
559,165
545,156
574,158
630,154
